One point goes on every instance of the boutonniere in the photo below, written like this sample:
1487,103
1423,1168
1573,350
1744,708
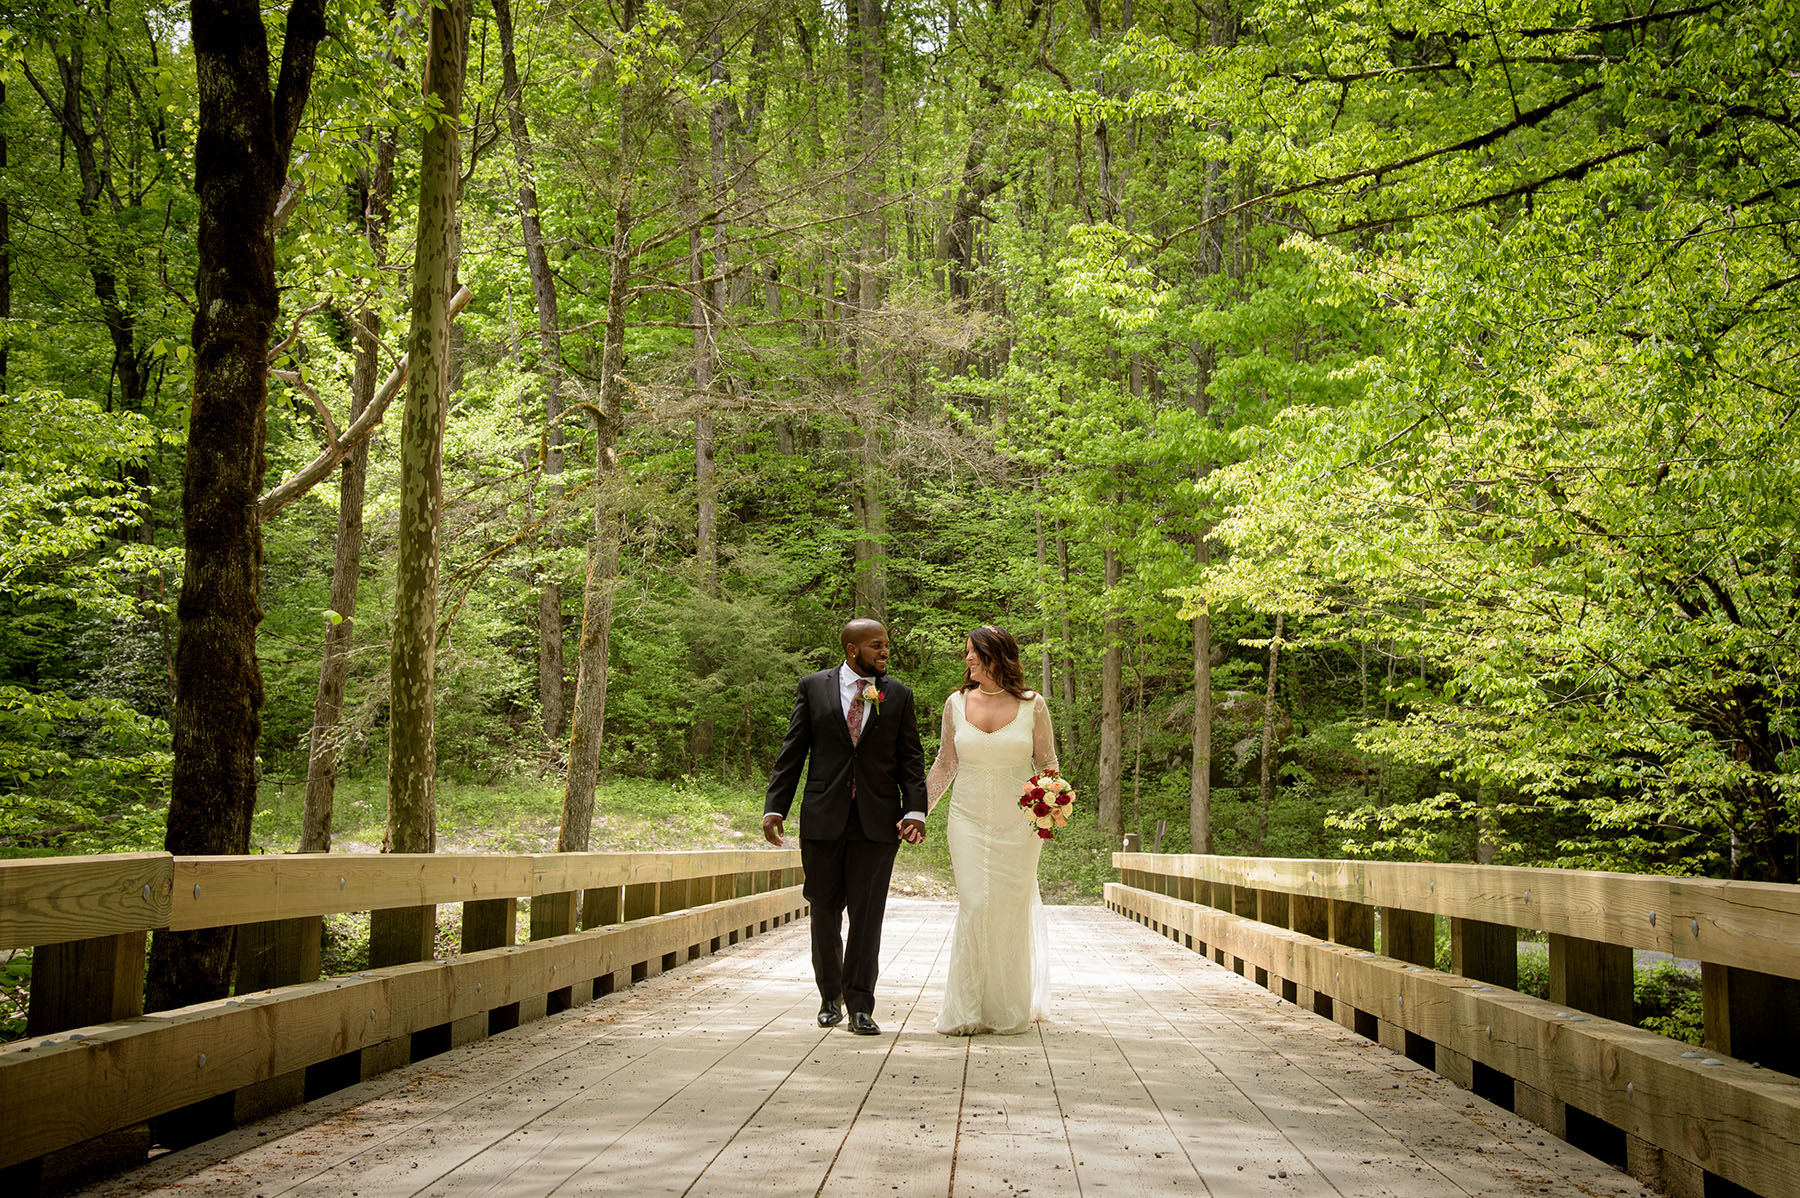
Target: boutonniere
872,697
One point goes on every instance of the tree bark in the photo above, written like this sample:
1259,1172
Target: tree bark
334,669
588,725
245,134
1200,768
412,749
1112,732
1266,786
550,370
5,250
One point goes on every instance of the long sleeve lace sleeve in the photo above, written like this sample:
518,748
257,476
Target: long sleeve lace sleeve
943,769
1043,737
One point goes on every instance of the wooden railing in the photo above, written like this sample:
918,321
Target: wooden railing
1677,1116
76,1092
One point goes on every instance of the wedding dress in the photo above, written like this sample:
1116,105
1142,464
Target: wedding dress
999,979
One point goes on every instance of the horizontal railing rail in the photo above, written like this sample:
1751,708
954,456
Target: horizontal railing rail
77,1091
1672,1113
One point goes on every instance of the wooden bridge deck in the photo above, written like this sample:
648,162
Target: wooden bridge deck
1160,1073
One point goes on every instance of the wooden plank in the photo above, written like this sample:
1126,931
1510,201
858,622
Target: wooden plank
214,891
1750,1015
1487,952
428,1108
1744,924
1408,935
490,923
54,900
83,982
905,1138
62,1091
1591,976
1723,1115
278,953
552,914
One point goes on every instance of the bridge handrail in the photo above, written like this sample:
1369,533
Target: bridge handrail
53,900
1576,1063
92,1065
1750,925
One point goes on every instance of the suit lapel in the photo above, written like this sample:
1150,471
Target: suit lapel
834,682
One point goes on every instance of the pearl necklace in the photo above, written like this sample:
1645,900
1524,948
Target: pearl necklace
984,690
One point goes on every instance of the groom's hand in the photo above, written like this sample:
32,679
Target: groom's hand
912,831
772,828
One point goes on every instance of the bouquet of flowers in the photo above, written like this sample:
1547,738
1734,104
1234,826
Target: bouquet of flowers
1046,802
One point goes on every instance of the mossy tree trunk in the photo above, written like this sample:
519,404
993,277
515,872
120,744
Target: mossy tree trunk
244,137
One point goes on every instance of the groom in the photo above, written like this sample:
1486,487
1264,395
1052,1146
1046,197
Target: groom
865,792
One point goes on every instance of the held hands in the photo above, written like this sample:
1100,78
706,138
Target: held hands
772,828
912,831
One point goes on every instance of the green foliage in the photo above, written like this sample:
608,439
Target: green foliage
1667,1000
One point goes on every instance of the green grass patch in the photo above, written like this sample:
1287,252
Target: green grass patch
522,815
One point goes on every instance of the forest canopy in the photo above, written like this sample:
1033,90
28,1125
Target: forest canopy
1376,420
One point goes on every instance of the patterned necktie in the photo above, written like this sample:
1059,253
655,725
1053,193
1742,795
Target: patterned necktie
855,716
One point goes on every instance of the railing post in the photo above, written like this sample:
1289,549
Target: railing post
1408,936
1591,976
553,914
76,984
398,936
640,903
1750,1015
1353,924
1482,952
1310,915
280,952
489,923
599,906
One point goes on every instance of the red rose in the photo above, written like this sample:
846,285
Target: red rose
1037,794
1040,809
1049,771
1046,834
1024,800
1063,800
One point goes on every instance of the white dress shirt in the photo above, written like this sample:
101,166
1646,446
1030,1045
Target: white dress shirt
850,685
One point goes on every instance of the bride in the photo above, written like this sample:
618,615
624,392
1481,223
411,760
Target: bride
996,735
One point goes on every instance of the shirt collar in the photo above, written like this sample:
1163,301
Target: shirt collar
848,676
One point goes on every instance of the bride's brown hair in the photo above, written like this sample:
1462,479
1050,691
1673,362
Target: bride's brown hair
1000,654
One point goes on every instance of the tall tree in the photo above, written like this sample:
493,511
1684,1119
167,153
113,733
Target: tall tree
375,191
412,747
550,371
587,726
245,136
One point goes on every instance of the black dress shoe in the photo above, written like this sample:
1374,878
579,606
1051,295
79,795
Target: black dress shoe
831,1013
863,1024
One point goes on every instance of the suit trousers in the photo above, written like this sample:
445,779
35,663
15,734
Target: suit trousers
847,874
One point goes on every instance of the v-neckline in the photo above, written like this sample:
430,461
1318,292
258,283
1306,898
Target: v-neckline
985,732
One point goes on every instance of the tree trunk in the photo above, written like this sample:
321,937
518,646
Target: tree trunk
1043,590
5,250
1266,787
334,669
588,725
1072,728
1112,684
550,370
1200,833
412,750
245,134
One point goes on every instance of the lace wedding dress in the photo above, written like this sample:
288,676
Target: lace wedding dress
999,978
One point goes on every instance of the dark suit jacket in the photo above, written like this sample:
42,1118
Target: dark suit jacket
888,762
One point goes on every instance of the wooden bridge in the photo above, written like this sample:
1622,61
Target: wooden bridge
1223,1026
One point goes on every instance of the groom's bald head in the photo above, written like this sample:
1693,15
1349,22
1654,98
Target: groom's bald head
859,630
866,647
